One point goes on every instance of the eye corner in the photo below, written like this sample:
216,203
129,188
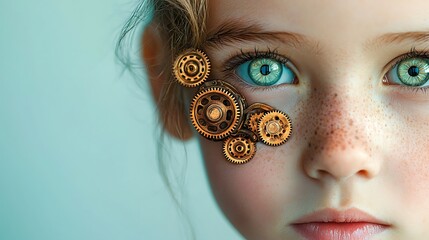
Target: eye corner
409,72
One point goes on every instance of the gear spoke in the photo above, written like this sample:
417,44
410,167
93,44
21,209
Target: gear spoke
274,128
191,68
215,113
239,149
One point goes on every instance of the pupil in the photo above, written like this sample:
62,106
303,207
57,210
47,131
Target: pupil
265,69
413,71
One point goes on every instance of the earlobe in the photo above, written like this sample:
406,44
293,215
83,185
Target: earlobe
171,109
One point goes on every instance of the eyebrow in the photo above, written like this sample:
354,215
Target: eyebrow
234,31
391,38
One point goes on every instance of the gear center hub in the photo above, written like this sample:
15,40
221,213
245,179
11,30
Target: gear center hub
191,68
239,148
214,113
273,127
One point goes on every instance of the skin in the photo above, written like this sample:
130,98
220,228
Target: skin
357,141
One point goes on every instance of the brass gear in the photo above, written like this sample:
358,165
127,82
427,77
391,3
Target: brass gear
239,149
216,112
254,113
191,68
253,120
274,128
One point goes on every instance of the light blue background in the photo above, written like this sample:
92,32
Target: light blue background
77,138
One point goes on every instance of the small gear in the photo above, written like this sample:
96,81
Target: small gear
216,112
274,128
253,120
191,68
239,149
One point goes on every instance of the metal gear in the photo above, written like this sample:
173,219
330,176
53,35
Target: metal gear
253,120
254,113
239,149
216,112
274,128
258,107
191,68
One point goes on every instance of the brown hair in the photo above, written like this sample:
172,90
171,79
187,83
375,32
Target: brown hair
181,24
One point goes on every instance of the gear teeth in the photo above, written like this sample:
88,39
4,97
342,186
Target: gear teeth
191,68
253,121
197,113
274,128
238,150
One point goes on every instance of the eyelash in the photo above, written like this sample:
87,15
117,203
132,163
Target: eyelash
243,57
411,54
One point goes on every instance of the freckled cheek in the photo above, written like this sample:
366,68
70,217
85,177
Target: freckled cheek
252,195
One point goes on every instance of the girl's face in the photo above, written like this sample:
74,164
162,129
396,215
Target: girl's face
359,138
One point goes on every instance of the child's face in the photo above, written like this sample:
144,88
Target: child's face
359,138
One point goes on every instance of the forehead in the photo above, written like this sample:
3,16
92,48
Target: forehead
330,22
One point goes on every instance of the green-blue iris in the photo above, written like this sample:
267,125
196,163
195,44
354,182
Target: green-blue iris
413,71
265,71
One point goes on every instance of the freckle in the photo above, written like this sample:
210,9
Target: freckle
335,95
351,122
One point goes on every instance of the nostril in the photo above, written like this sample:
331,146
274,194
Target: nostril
320,174
363,173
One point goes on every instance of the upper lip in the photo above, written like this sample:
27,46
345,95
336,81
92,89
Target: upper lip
334,216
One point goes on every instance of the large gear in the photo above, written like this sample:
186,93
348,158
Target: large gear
274,128
239,149
216,112
191,68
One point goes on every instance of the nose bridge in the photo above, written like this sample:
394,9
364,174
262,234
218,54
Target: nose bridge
338,131
335,118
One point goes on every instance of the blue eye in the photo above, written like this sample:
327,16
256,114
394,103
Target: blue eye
410,71
265,72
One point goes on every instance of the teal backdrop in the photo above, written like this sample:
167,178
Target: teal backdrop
78,137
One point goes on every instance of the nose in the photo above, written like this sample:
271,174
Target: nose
340,142
341,164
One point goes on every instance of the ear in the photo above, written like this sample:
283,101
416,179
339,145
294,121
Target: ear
152,54
155,56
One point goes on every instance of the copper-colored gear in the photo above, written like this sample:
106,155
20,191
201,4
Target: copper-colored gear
239,149
191,68
254,113
258,107
253,120
274,128
216,112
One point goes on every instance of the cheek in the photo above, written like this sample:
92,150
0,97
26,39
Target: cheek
412,155
408,172
253,195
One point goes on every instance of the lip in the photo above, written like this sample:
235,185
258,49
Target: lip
331,224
